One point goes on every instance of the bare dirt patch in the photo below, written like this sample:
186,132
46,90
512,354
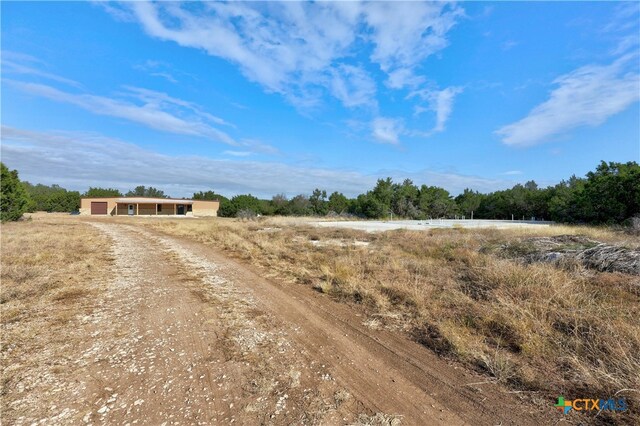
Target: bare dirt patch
190,346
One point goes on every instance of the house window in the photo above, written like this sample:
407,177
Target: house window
159,208
189,207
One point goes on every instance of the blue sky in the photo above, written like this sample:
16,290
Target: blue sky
270,97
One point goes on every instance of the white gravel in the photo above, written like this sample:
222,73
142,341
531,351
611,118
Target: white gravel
423,225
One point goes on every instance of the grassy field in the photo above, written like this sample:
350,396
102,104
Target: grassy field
49,266
540,329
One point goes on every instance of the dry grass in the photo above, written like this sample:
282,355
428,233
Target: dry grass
535,328
48,267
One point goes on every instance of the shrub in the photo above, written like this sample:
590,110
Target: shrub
13,198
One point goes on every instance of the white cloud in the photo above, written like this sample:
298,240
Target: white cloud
404,77
387,130
440,102
587,96
282,46
79,160
508,45
14,63
296,48
164,75
623,27
443,106
405,33
161,100
512,173
157,110
238,153
163,70
352,86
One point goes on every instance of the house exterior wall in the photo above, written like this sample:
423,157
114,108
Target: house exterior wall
166,210
122,209
85,205
146,209
199,207
205,208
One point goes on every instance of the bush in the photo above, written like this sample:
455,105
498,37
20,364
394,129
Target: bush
13,198
246,214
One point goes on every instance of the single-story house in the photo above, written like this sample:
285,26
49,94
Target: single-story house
147,206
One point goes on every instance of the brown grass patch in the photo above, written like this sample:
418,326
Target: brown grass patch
48,278
535,327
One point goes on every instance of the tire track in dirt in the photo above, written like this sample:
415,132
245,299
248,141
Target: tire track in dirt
385,372
177,342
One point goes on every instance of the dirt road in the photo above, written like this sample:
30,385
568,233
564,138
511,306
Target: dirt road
188,336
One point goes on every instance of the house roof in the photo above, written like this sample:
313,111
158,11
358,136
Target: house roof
145,200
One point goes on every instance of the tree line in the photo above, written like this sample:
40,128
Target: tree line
609,194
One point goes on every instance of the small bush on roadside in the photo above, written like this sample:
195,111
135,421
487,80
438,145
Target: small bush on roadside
246,214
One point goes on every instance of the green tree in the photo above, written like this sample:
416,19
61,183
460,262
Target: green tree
366,205
142,191
612,192
102,192
436,202
209,196
565,202
52,198
247,203
318,202
383,194
468,202
338,203
405,200
13,197
300,206
64,201
280,205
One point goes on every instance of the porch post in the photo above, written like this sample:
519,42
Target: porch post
137,209
116,209
174,209
156,209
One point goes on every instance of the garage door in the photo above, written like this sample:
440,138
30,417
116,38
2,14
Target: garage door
98,207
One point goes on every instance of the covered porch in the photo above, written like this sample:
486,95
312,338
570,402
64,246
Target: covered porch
153,207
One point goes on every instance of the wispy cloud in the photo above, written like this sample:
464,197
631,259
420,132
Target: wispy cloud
163,101
508,45
285,47
623,26
162,70
164,75
299,49
155,110
587,96
22,64
79,160
352,86
440,102
406,33
512,173
238,153
387,130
